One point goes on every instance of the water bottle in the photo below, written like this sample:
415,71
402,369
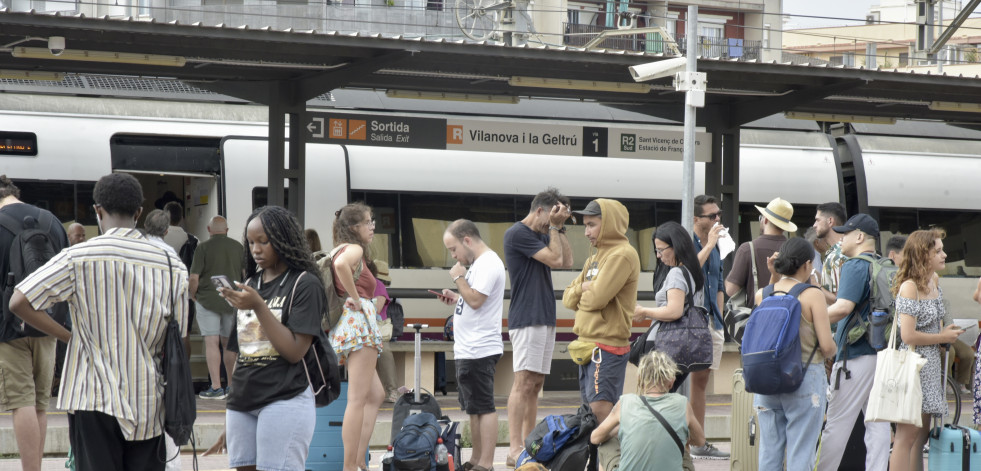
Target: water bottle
387,459
442,456
880,322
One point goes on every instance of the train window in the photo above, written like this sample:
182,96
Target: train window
409,231
68,201
260,197
18,143
963,229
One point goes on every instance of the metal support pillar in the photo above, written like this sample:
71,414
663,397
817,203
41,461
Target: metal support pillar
729,181
298,163
277,144
688,165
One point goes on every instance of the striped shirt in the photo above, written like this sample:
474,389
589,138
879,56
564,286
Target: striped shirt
118,289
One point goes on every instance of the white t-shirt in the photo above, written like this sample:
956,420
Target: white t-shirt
477,333
175,237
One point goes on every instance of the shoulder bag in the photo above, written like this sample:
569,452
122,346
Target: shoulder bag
740,305
896,394
687,340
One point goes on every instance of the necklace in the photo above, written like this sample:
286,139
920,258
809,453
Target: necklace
785,277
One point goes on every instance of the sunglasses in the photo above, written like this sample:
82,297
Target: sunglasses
711,215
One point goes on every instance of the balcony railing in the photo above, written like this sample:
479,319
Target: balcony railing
578,35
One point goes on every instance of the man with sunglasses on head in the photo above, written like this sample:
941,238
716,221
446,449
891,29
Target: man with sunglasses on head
707,229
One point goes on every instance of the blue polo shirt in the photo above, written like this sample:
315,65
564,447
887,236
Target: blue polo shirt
853,285
713,281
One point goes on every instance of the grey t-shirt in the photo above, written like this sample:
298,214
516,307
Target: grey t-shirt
675,280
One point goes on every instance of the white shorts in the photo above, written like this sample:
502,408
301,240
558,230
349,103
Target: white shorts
533,348
718,339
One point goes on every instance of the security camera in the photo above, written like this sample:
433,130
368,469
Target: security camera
659,69
56,44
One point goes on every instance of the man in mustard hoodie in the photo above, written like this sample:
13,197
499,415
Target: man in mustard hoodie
602,296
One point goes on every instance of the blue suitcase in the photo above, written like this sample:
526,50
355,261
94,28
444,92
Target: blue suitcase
954,448
326,448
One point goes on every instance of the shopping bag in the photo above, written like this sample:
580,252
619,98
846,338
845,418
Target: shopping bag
896,394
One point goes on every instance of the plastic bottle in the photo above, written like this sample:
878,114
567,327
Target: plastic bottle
442,456
880,322
387,459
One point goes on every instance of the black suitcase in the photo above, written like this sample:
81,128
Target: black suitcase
415,401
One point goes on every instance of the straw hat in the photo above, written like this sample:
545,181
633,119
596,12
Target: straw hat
779,212
382,267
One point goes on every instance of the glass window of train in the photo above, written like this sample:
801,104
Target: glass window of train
84,213
260,197
57,197
385,245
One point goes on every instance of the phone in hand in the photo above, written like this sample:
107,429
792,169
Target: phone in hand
437,293
222,281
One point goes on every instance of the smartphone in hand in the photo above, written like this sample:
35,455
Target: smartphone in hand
222,281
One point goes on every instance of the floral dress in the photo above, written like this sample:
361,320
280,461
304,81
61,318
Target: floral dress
356,330
928,313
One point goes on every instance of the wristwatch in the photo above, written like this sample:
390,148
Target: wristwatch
560,230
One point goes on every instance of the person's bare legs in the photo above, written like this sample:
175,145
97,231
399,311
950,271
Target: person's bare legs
522,409
699,382
484,430
30,426
907,449
374,400
601,409
228,358
212,357
359,388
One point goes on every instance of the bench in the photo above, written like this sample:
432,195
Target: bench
403,353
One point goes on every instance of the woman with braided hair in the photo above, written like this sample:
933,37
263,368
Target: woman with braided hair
270,413
632,437
356,338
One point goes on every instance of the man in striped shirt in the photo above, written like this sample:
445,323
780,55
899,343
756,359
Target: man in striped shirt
119,288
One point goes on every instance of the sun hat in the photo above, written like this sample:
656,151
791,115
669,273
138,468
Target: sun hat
779,212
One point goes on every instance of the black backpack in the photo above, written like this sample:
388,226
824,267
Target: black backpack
31,248
180,409
186,252
397,316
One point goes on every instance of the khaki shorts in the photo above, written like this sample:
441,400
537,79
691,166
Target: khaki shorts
608,453
718,340
533,346
26,370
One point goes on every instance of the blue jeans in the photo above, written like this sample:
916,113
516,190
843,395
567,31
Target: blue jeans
791,423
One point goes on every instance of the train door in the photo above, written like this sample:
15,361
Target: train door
174,168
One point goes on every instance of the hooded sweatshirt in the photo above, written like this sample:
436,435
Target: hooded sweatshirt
604,311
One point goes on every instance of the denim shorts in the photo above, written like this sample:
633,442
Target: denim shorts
276,437
603,380
475,384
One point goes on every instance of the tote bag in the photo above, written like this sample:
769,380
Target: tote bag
896,394
687,340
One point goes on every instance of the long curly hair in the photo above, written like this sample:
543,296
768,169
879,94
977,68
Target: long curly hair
655,370
916,259
287,239
346,221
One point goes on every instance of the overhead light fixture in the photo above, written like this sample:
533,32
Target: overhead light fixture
29,75
840,118
588,85
471,97
99,56
955,106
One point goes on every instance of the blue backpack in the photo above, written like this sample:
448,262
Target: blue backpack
414,447
555,432
771,344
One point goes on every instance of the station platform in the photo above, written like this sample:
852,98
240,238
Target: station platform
211,419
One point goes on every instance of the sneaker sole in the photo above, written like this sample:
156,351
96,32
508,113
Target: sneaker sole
701,457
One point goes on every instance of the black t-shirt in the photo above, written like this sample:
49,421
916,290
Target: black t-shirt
532,295
59,237
261,375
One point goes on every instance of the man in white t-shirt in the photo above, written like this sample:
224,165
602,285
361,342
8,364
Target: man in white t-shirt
476,332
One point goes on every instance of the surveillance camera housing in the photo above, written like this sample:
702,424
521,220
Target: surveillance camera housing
56,44
659,69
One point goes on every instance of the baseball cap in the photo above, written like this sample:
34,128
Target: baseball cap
592,209
862,222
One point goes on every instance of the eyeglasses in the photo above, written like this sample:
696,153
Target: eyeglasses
711,216
370,223
660,251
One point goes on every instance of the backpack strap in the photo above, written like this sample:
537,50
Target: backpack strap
664,423
9,223
689,296
751,294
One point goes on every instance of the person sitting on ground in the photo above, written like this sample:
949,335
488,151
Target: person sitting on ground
632,438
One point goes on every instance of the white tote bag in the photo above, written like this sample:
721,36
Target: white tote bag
896,394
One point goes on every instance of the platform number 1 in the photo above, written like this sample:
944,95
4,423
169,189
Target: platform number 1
594,141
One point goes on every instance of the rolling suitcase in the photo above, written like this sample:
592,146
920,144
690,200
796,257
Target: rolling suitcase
953,447
415,401
743,427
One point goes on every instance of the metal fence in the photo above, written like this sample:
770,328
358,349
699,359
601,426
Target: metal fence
578,35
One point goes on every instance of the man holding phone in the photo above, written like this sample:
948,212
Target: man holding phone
533,246
219,256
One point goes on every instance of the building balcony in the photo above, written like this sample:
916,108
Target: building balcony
731,48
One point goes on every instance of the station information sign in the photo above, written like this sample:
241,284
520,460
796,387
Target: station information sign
504,135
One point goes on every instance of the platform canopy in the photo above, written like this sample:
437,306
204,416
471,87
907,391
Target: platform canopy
290,67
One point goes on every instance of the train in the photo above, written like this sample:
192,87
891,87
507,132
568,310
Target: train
908,175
